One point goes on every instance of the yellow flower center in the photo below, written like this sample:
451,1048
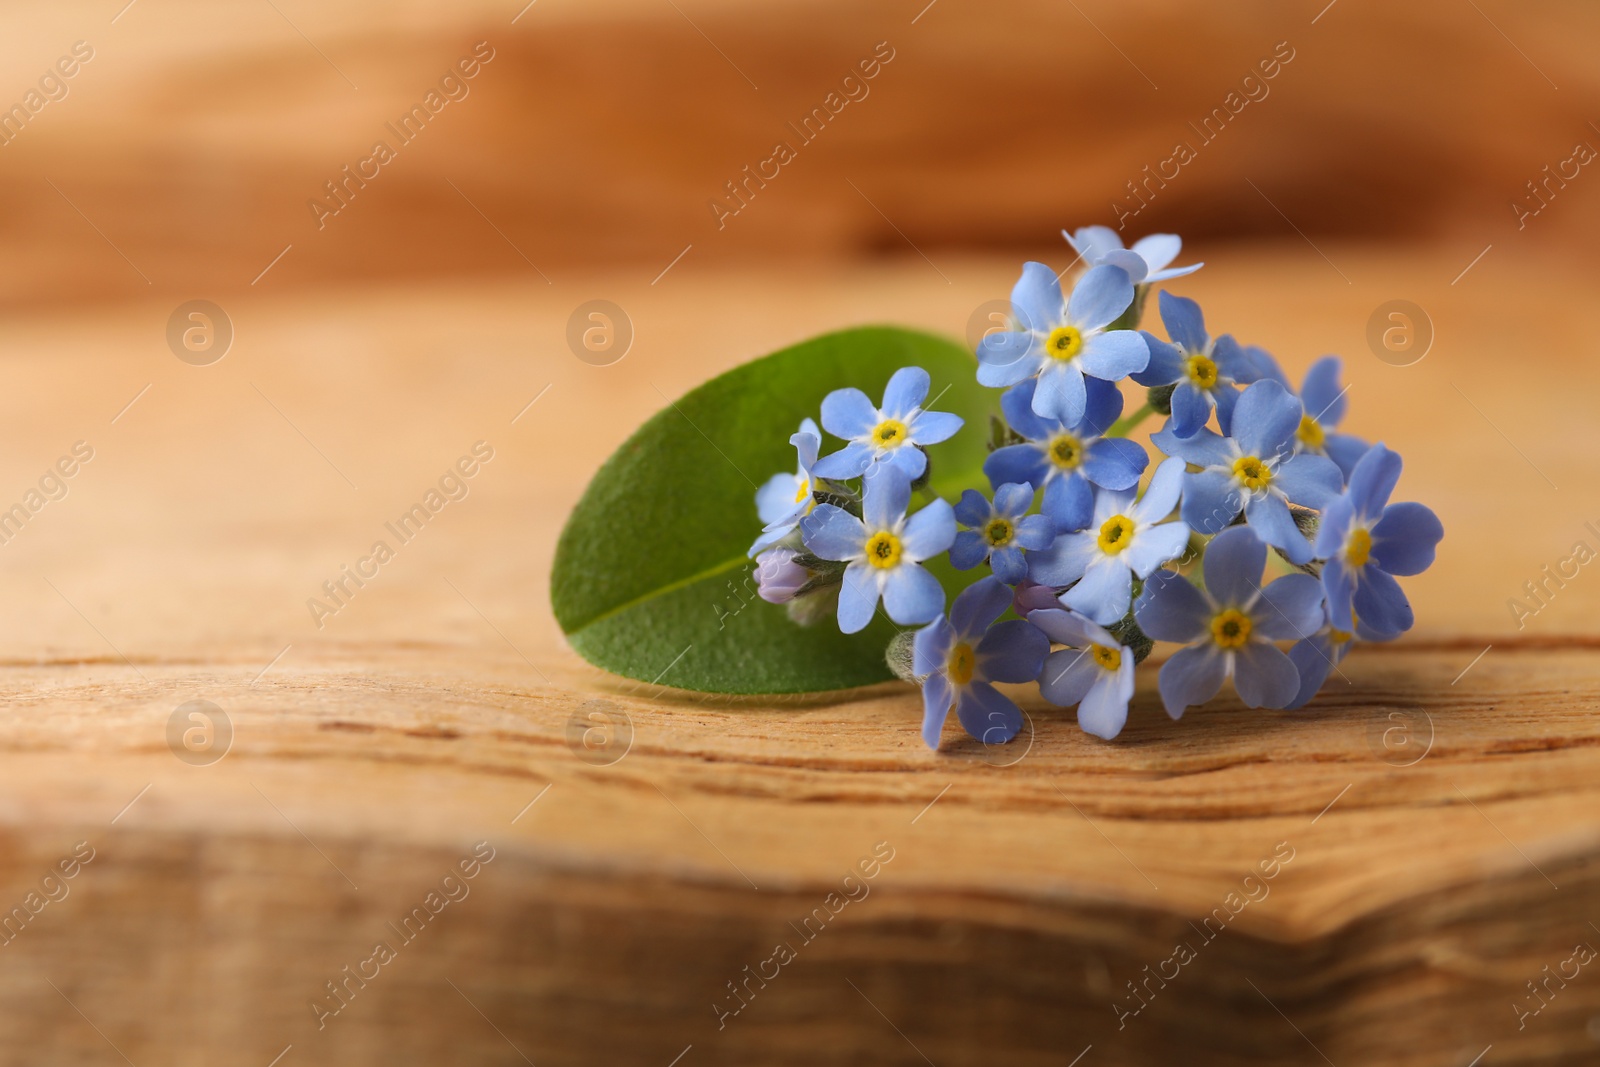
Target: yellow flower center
1310,432
1202,370
883,550
998,532
1230,628
1338,637
1252,473
1116,534
890,433
960,665
1064,342
1106,656
802,491
1358,547
1066,451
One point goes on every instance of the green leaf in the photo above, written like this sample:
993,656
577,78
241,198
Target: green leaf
651,580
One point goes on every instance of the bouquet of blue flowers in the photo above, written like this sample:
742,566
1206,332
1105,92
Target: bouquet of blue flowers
1086,571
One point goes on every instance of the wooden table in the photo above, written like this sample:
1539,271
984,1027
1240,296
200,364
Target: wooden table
1430,826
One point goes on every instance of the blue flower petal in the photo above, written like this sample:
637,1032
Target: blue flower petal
1060,393
1016,463
1290,608
931,427
1158,250
1192,676
1008,564
1257,365
968,550
1210,501
1227,398
1093,242
1065,561
1012,651
1102,407
1191,407
1036,532
775,499
1232,361
1373,479
1103,592
1104,708
1313,660
1405,539
937,697
987,714
1172,609
833,533
1205,448
1345,450
1101,295
1165,365
1323,398
1338,585
1013,498
929,532
1069,628
1184,322
907,459
1068,502
1036,298
848,414
1264,676
1131,262
858,597
907,389
1269,517
1006,357
1309,480
1067,676
848,462
1234,561
1153,547
1017,404
1380,603
930,648
1114,355
977,606
1265,419
1162,494
886,493
1114,462
1335,527
911,595
972,509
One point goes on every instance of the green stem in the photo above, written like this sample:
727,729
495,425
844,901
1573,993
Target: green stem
1125,425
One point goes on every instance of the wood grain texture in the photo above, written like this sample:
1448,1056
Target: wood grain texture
1439,807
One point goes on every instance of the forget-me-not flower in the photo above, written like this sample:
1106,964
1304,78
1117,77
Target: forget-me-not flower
1315,657
1255,470
887,435
1124,538
786,497
959,657
1067,461
1203,369
1000,532
1229,626
1060,341
884,549
1095,672
1146,262
1367,541
1324,405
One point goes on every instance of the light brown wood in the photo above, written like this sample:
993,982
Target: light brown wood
1440,807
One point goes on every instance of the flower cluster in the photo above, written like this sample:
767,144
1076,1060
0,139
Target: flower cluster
1086,570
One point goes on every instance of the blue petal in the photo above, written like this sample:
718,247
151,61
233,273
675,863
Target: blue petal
1093,242
1210,501
987,714
1104,591
1036,298
907,459
1158,250
1269,517
1016,463
968,550
1013,498
1012,651
1265,419
1017,404
886,493
775,498
1205,448
1264,676
1172,609
1114,355
906,390
930,648
1334,528
931,427
1007,357
848,462
1101,295
1313,659
972,509
1344,450
1339,587
1162,494
1067,676
937,697
1036,532
1184,322
1131,262
1323,398
1104,709
1070,628
1380,603
858,598
833,533
1102,407
1227,398
929,532
848,414
1192,676
1008,564
806,443
1165,365
977,606
1068,502
911,595
1233,362
1290,608
1373,479
1060,393
1405,539
1258,364
1154,546
1309,480
1191,407
1114,462
1234,561
1063,562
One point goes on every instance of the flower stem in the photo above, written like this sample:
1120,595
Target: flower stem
1125,425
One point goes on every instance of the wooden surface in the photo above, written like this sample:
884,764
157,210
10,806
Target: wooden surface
1440,807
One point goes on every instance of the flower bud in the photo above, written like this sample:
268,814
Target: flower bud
778,576
1031,596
